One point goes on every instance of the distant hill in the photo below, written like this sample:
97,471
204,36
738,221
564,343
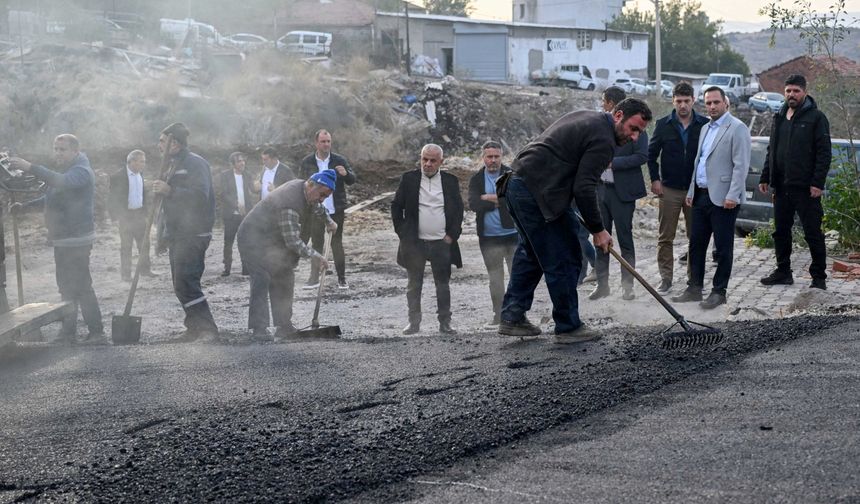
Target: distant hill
759,56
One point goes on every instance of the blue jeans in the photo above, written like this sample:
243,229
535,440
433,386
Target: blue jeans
588,253
545,249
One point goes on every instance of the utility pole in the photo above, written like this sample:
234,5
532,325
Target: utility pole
658,68
408,49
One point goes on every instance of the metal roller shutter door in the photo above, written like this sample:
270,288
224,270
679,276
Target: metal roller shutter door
481,56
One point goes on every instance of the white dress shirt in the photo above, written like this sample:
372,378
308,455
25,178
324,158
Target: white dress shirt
431,208
240,191
322,164
268,178
135,190
707,145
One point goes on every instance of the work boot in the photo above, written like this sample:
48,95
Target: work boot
818,283
714,299
413,328
225,273
521,328
286,332
601,291
579,335
687,296
341,284
148,273
494,322
591,277
445,328
627,294
261,335
665,286
311,284
95,338
778,277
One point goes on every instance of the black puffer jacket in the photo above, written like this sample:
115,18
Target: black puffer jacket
808,159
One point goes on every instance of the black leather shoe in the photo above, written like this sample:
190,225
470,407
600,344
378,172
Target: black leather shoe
445,328
714,299
600,292
665,286
413,328
286,331
260,336
818,283
687,296
225,273
521,328
628,294
778,278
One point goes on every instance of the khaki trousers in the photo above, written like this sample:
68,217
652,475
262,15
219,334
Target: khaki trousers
671,206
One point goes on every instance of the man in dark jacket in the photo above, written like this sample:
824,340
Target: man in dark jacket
270,244
236,201
427,212
563,164
188,213
674,143
497,235
127,207
71,229
274,174
796,166
621,184
323,159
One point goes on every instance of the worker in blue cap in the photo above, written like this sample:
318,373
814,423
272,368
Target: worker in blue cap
270,245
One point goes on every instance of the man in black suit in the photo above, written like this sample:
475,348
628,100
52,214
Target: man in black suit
274,173
126,207
427,212
323,159
621,184
236,201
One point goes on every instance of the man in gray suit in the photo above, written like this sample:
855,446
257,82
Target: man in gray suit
716,191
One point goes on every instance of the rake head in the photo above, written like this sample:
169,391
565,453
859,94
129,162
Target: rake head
690,337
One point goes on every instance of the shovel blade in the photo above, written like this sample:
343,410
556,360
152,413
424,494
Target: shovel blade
125,329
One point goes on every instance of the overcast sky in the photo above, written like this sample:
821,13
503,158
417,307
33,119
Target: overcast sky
739,15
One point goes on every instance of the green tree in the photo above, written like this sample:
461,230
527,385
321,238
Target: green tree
691,41
449,7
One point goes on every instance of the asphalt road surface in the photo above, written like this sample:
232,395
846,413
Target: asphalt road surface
770,415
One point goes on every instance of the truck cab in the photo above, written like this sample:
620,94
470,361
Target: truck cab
733,85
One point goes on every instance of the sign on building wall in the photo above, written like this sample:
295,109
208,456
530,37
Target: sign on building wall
557,45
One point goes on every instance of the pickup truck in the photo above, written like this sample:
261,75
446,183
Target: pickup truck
572,76
733,85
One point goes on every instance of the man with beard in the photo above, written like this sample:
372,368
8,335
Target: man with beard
563,164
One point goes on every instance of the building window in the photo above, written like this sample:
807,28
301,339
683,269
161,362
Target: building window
522,11
583,39
626,41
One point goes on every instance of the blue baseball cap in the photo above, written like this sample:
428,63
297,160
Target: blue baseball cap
327,178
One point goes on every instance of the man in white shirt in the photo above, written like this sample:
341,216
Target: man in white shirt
126,208
427,213
236,201
274,173
314,229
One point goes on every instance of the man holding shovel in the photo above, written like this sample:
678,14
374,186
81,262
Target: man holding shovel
270,245
69,216
188,213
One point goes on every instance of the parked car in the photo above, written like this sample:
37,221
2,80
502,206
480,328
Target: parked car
666,87
733,85
573,76
636,86
758,210
763,102
306,43
245,41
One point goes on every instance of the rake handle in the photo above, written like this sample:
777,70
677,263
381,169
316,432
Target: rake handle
315,323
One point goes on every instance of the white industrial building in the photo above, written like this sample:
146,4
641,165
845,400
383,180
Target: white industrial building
502,51
579,13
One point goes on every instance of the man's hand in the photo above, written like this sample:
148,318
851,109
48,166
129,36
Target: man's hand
270,187
258,186
331,226
688,201
340,170
657,188
17,163
491,197
815,192
763,188
602,240
320,262
447,239
161,187
729,204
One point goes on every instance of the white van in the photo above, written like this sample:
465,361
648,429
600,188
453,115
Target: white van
306,42
176,30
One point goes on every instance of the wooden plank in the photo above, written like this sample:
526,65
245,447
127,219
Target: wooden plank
366,203
30,317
